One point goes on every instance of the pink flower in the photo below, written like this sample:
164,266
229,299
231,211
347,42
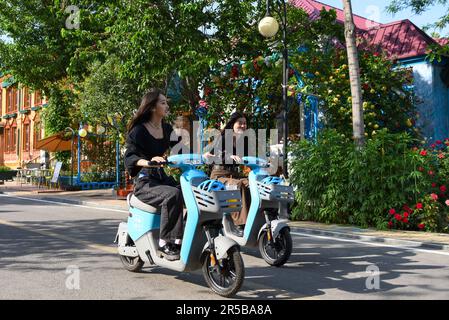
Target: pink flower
438,142
421,226
203,103
405,220
407,209
443,189
433,145
446,202
392,212
419,206
398,217
430,173
421,169
434,185
441,156
423,153
390,224
434,196
406,214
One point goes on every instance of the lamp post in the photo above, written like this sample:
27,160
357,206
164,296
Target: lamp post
71,154
81,134
268,27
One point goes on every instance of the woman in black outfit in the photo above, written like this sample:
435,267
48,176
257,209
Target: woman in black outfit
148,140
229,174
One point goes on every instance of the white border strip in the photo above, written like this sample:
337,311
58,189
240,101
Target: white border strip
63,203
371,243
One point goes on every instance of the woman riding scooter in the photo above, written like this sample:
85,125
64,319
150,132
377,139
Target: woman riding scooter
228,173
148,140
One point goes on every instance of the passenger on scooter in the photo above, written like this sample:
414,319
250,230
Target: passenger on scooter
229,174
148,140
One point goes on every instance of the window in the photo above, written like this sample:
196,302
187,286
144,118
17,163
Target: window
37,98
11,100
8,100
13,140
37,133
26,136
6,137
26,98
10,139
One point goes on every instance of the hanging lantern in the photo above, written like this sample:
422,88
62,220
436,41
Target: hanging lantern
291,91
101,130
82,133
267,61
121,138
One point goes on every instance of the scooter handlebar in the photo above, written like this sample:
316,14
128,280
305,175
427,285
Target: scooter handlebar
152,164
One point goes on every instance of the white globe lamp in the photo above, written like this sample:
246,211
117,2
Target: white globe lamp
268,27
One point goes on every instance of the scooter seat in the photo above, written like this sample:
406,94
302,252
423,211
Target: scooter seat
136,203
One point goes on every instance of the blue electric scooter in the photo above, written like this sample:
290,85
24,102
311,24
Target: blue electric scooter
203,246
264,227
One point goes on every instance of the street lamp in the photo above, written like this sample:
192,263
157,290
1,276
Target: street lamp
268,27
71,153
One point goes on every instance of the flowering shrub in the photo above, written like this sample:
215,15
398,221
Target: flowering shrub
388,184
431,212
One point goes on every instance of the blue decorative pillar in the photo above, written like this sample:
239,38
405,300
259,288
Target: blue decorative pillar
78,177
117,163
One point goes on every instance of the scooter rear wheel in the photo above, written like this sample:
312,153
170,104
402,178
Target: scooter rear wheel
225,277
132,264
276,253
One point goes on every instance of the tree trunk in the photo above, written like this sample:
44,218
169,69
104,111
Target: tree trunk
354,76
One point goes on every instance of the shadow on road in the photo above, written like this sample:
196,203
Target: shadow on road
315,268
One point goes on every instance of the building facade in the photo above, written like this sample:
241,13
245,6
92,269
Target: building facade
20,123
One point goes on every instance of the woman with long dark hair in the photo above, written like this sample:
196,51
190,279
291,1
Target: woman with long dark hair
148,140
229,173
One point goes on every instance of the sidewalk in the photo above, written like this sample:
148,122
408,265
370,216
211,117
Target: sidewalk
107,199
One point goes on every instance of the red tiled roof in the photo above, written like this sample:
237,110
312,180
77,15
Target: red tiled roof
442,41
399,39
313,8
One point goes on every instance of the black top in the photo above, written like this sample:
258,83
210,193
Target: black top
140,144
225,156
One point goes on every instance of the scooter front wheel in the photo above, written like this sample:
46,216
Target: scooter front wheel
225,276
276,253
132,264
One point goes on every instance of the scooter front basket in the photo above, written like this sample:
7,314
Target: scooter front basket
218,201
275,192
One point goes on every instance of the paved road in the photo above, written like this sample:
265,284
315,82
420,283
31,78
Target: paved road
40,240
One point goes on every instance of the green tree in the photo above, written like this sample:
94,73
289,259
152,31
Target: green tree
105,94
419,7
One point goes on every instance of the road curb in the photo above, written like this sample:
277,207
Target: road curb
70,201
83,203
373,239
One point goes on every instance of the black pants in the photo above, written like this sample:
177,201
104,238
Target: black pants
166,196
